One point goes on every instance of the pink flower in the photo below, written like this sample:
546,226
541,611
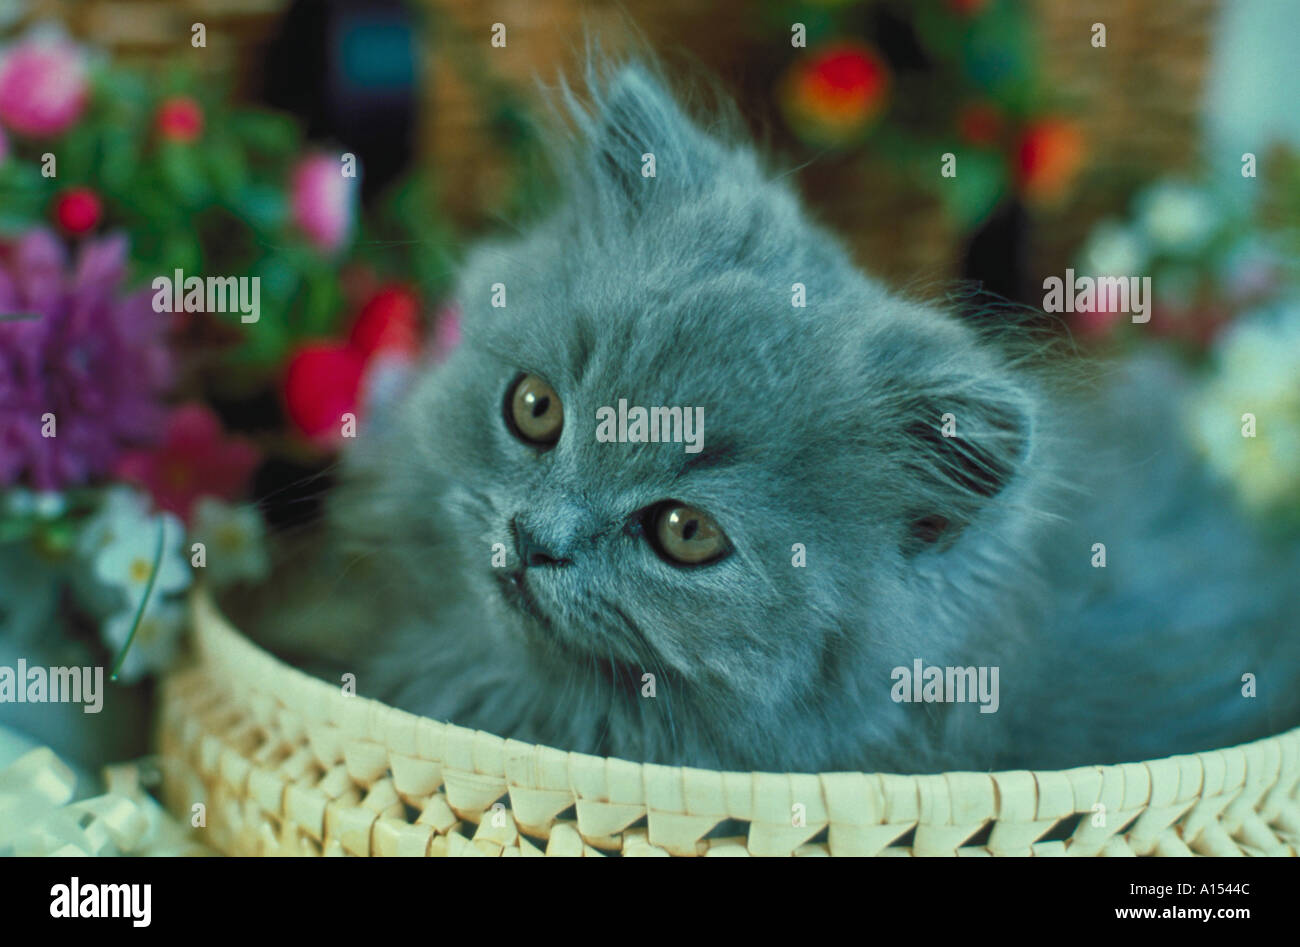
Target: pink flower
446,331
43,87
194,460
321,200
179,119
1096,320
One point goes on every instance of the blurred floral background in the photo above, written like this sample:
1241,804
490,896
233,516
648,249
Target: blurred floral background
142,137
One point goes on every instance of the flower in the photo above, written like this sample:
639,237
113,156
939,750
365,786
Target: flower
126,561
980,123
322,201
322,384
389,321
77,210
1114,250
325,380
179,119
1048,155
43,87
1257,362
834,94
155,643
446,331
1177,218
234,541
40,504
89,368
194,459
122,511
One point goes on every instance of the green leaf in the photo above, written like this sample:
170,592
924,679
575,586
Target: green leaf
324,299
228,168
264,207
980,183
121,157
264,131
183,172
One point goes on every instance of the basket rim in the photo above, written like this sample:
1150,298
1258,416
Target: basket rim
217,642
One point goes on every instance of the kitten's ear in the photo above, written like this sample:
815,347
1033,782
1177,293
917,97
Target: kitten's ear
642,145
967,449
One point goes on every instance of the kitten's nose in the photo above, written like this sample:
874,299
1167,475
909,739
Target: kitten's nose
532,551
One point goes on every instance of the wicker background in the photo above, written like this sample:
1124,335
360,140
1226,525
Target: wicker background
1138,99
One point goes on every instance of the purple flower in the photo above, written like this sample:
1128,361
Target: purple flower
82,366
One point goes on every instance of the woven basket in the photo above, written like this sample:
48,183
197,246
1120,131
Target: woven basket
286,764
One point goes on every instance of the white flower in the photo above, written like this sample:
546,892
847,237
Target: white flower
49,504
19,501
42,504
156,640
234,537
121,512
1114,249
126,560
1176,217
1258,373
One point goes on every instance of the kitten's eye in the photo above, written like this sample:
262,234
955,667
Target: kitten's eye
534,411
687,535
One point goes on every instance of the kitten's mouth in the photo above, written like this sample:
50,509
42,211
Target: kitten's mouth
556,650
516,592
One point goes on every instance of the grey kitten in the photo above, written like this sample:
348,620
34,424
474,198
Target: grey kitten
649,602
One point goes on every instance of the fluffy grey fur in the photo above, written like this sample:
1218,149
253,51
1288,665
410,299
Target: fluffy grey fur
822,428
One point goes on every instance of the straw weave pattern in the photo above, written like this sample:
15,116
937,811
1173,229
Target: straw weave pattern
289,765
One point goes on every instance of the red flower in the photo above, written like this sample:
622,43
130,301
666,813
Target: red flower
1097,320
1198,323
194,460
389,322
979,123
179,119
1048,156
322,384
77,210
327,379
967,7
836,92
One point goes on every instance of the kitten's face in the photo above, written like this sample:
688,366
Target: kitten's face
788,541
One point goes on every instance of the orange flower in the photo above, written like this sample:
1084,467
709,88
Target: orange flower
1048,157
835,93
